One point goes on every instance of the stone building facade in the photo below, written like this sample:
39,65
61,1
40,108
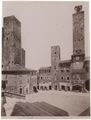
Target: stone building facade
17,81
33,79
64,75
44,78
18,78
73,74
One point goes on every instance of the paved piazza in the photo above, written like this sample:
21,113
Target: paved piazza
71,102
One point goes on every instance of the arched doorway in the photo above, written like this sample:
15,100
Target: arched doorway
68,88
77,88
50,87
87,85
63,87
45,88
34,89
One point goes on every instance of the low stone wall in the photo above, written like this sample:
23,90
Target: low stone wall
8,94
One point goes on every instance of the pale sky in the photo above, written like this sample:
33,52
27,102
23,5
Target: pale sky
44,24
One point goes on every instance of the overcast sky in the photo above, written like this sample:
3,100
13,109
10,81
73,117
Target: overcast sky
44,24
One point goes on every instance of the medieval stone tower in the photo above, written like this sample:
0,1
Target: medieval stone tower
55,59
78,57
78,35
11,42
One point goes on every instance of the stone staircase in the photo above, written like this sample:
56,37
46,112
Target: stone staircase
37,109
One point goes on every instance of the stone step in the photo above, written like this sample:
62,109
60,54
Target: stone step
37,111
55,110
20,109
46,108
28,109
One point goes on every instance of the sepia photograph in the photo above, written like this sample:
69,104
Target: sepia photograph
45,59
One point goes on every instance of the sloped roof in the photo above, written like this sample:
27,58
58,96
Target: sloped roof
65,63
45,68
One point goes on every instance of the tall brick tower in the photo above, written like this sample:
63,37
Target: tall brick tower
11,41
78,31
78,57
55,59
78,36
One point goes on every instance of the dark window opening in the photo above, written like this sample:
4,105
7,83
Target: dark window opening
7,38
67,78
4,84
35,89
50,87
2,94
87,85
62,70
38,87
68,88
26,90
63,87
55,52
20,90
67,70
87,69
79,39
62,78
77,88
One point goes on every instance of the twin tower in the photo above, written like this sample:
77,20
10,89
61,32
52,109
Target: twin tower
78,41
